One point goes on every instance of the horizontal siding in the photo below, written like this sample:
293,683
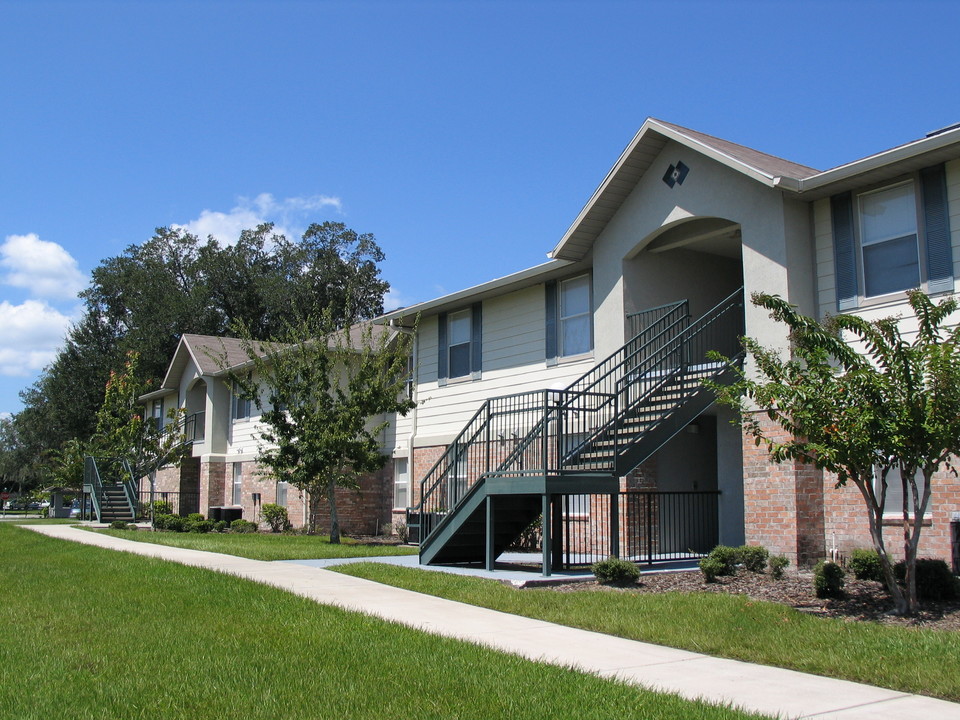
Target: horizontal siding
445,410
514,330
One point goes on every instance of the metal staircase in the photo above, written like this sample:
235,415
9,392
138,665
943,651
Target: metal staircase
113,491
519,451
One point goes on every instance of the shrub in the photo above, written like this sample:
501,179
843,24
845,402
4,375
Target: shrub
132,526
711,567
200,526
778,564
934,579
753,557
402,531
727,558
614,571
828,580
243,526
162,521
195,517
219,526
118,525
276,517
865,565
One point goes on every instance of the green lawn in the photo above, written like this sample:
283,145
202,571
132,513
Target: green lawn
912,660
91,633
260,546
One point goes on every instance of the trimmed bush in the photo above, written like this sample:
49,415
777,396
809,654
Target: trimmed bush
828,580
200,526
243,526
175,523
220,526
118,525
727,557
195,517
934,579
276,517
865,565
753,557
711,567
778,563
614,571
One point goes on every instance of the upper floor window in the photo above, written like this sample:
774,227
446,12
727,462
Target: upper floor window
459,344
156,413
569,316
888,240
575,316
242,407
893,238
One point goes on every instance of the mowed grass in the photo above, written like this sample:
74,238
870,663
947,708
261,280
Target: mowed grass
261,546
91,633
912,660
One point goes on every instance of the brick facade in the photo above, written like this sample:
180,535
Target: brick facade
363,512
783,502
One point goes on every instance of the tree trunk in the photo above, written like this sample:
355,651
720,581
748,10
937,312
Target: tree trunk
334,520
313,513
875,516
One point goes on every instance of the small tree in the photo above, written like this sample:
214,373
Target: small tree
324,388
124,432
861,414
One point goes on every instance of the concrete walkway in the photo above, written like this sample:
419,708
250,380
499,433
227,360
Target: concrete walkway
758,688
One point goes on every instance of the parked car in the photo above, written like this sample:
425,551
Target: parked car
75,509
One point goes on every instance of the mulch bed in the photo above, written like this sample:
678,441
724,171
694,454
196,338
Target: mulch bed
865,600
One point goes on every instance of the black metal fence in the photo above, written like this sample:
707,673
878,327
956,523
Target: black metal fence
652,526
176,503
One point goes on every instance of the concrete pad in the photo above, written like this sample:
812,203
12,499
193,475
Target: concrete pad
758,688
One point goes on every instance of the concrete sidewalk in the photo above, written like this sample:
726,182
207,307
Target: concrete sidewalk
758,688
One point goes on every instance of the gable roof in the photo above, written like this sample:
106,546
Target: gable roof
767,169
208,352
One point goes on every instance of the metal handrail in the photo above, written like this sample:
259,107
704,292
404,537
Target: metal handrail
550,418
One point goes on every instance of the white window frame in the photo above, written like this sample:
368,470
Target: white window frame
863,242
461,315
563,318
401,483
236,495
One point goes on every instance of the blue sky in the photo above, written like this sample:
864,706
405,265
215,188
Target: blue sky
465,136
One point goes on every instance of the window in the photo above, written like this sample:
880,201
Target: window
459,344
894,500
156,412
888,239
241,405
400,483
237,483
282,493
569,318
458,331
575,316
893,238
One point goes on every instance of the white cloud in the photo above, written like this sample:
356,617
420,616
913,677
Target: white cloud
288,215
30,335
395,299
44,268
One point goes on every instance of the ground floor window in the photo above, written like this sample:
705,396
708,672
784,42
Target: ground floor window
282,493
237,483
893,506
400,483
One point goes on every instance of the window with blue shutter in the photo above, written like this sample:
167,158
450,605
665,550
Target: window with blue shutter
459,343
892,239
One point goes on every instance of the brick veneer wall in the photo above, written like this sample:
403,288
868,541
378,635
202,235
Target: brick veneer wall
212,480
783,502
847,527
360,513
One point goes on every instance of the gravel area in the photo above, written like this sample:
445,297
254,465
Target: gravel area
865,600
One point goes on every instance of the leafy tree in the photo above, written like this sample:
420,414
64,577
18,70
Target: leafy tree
123,432
146,298
325,390
895,405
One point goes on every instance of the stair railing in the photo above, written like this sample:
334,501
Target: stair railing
91,479
549,431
